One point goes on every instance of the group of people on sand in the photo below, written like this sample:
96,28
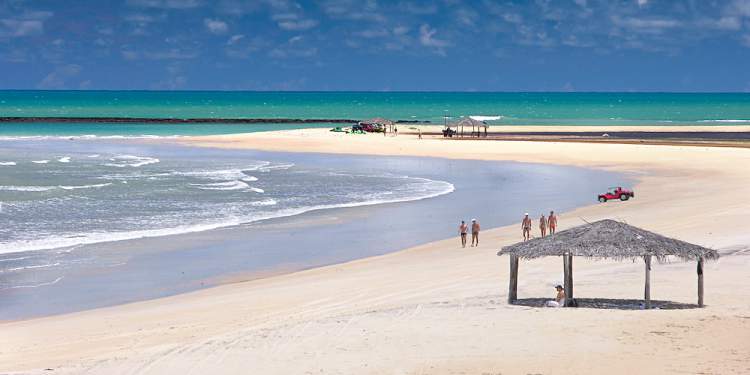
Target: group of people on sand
463,230
549,222
545,223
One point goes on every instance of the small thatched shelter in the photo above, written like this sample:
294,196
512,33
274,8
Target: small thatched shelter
605,239
476,126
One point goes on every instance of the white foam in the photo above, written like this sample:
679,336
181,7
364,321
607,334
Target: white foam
430,190
486,118
257,190
228,185
93,156
53,282
7,163
31,267
64,159
225,174
48,188
265,202
27,188
84,186
728,121
269,168
40,161
122,161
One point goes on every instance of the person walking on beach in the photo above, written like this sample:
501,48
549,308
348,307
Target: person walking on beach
462,230
474,232
526,227
543,225
420,133
395,130
552,221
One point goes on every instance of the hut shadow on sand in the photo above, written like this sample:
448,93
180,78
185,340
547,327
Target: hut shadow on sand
610,304
606,239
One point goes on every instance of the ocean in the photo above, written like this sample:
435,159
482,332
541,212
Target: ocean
436,107
53,195
89,223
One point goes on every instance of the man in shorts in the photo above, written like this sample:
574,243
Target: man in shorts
526,227
474,232
552,221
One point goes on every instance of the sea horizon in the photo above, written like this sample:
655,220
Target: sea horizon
429,107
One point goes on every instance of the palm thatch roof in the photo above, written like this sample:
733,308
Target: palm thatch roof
468,121
379,121
608,239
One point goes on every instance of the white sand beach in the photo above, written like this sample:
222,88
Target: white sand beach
440,309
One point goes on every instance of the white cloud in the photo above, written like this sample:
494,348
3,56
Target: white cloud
19,28
234,39
165,4
58,78
740,8
727,23
400,30
642,3
427,37
373,33
286,52
28,23
512,18
214,26
353,10
297,25
645,25
169,54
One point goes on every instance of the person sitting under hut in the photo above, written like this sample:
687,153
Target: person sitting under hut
559,299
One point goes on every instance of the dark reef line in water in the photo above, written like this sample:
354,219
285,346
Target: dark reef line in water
175,120
150,120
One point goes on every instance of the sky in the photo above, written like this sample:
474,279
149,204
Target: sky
371,45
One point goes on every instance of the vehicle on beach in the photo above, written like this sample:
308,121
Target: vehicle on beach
616,192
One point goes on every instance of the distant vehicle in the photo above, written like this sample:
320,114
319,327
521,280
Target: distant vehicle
372,127
616,192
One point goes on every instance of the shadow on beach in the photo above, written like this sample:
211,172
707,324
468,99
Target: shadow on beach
610,304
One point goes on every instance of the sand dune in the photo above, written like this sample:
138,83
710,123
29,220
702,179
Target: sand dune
439,309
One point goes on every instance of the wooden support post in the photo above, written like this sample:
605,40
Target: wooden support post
700,282
568,278
513,284
647,290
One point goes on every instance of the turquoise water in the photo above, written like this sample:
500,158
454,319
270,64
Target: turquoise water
517,108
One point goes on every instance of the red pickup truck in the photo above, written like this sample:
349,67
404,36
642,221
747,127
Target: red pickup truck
616,193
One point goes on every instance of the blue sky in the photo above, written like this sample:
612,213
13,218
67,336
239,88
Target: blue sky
542,45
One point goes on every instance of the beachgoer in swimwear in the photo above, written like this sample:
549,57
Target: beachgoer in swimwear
552,221
526,227
543,225
462,230
474,232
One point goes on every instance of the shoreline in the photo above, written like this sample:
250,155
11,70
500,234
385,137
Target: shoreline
371,295
198,259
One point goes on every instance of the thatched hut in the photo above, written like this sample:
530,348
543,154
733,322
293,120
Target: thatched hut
476,126
605,239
